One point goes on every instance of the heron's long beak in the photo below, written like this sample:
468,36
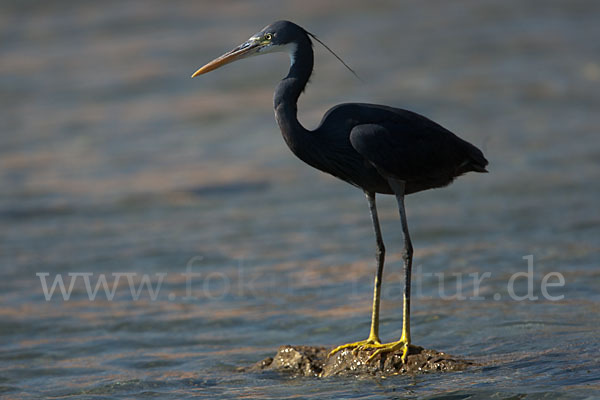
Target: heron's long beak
244,50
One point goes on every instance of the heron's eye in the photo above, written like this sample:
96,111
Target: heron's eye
268,36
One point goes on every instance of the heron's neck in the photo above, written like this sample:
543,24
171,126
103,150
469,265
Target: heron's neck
289,89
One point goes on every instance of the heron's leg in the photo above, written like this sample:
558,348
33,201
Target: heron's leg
404,343
373,338
380,257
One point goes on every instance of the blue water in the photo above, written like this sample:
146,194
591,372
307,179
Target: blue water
115,165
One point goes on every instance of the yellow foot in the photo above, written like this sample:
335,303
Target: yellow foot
356,345
390,347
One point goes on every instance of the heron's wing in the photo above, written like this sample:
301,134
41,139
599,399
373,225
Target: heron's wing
410,149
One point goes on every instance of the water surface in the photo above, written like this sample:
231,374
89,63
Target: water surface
115,164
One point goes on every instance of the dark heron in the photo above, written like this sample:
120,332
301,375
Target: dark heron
377,148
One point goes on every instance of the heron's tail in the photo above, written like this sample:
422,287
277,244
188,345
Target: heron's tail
479,168
476,161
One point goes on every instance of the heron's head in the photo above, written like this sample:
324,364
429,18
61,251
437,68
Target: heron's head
279,36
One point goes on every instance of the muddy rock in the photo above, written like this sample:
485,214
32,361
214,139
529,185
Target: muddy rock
313,361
